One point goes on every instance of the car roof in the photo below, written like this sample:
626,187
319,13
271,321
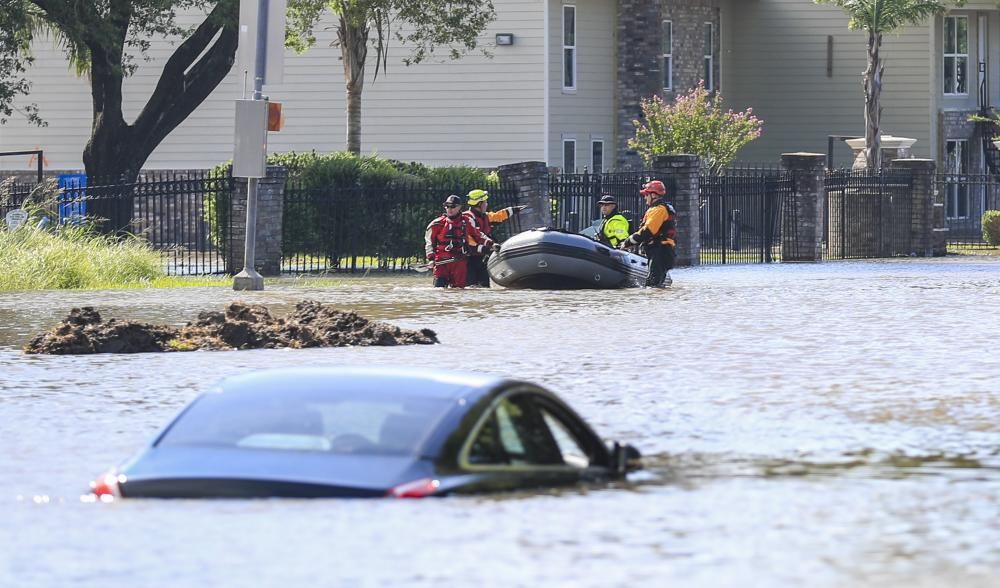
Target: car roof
429,383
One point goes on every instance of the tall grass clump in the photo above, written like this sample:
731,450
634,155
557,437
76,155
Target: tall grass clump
68,256
39,259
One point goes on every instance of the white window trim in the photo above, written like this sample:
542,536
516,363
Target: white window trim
576,43
593,142
944,43
668,56
576,155
710,57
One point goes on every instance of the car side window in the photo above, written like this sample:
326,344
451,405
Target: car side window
515,435
572,452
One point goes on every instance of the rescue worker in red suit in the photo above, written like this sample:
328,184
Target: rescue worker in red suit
447,242
484,220
657,235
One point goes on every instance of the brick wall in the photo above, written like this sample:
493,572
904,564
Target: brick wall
640,61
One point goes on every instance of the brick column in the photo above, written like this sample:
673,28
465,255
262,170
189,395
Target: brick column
922,222
270,213
531,180
802,219
683,172
640,71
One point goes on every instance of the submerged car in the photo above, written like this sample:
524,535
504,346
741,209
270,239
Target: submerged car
367,432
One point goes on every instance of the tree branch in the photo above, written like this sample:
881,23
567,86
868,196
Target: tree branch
191,73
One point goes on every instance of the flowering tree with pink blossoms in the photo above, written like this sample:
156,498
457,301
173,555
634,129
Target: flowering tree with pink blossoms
696,124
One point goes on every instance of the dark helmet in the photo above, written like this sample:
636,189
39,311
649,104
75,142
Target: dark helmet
453,201
607,199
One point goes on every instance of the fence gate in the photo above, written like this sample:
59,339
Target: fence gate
740,212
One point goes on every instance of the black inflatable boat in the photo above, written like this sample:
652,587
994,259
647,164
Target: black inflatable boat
550,259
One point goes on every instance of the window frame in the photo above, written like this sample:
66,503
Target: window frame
956,191
593,164
955,55
565,142
668,55
569,50
538,402
710,56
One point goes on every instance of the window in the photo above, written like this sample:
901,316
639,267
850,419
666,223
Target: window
572,454
668,55
956,186
956,55
309,420
569,47
569,156
709,52
513,435
597,156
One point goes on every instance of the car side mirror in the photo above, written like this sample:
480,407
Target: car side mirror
625,459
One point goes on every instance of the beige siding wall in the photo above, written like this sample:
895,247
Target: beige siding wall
477,111
775,60
588,113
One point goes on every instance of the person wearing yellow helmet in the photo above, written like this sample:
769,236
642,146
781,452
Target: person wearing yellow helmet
483,220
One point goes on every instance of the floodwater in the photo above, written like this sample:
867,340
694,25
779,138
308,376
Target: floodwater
829,425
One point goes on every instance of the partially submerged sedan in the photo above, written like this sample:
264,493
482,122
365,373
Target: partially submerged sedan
358,432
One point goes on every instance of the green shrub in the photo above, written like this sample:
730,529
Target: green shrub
370,184
991,227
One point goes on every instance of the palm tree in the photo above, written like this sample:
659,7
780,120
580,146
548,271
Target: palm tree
878,17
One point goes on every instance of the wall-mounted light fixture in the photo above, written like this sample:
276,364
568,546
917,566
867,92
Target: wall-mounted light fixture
505,38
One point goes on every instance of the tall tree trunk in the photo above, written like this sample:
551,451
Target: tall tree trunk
117,150
872,81
107,156
353,40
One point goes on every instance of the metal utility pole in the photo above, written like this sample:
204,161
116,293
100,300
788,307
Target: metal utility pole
249,279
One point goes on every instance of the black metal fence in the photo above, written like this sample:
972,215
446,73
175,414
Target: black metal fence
370,228
13,195
177,213
189,216
740,211
574,197
867,214
966,198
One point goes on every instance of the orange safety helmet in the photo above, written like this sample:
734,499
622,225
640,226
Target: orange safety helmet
654,187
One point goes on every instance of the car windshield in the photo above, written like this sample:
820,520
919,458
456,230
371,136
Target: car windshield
341,422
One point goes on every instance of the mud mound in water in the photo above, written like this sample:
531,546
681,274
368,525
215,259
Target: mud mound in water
240,326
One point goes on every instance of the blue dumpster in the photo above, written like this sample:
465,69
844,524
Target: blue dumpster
72,205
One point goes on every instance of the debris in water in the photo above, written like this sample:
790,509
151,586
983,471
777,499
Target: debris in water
240,326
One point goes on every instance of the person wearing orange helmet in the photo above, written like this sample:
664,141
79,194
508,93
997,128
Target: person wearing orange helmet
656,237
447,242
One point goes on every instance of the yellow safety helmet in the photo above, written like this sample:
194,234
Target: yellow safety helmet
477,196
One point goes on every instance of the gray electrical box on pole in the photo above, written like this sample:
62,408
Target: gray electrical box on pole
250,143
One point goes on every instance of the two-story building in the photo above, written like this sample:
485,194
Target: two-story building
562,86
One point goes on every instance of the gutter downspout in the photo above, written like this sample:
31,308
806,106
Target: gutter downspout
546,58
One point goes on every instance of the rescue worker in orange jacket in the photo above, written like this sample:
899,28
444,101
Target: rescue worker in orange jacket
447,242
483,219
657,235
